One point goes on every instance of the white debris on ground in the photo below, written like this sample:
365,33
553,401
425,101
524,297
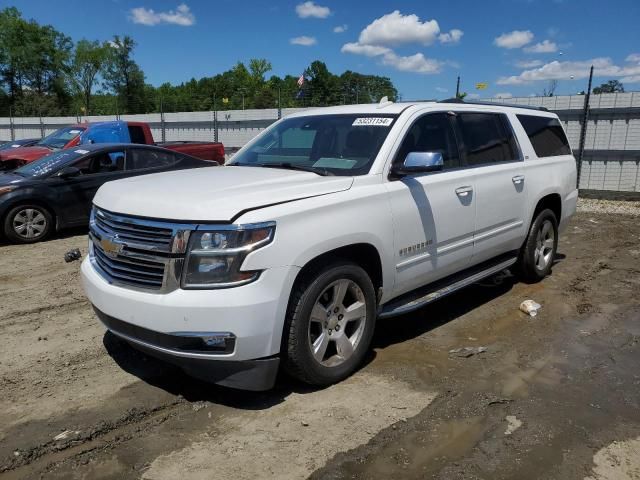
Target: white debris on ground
618,461
512,424
623,207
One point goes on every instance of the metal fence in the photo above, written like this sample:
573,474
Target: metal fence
611,160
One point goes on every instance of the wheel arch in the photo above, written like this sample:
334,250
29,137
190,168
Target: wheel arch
553,202
364,254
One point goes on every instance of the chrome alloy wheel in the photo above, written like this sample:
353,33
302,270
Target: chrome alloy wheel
545,239
337,322
29,223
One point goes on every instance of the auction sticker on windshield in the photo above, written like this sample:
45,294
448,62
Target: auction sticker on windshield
372,122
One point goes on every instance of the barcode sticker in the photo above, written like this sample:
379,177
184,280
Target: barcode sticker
372,122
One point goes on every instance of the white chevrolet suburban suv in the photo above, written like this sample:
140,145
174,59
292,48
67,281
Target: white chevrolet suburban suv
326,221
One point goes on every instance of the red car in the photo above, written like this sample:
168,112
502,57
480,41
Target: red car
104,132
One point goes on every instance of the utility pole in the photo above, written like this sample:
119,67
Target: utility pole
583,130
458,88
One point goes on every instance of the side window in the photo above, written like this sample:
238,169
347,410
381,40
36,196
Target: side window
140,158
487,137
137,134
546,135
101,163
431,133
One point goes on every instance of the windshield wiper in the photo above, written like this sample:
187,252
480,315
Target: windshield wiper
292,166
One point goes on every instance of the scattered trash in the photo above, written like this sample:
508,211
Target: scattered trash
66,434
16,453
512,424
305,424
72,255
467,352
500,401
530,307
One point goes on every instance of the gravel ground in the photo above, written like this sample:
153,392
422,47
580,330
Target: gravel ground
609,206
556,396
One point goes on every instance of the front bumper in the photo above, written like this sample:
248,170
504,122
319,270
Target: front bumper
257,375
157,323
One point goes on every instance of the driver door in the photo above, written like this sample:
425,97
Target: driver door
75,194
433,213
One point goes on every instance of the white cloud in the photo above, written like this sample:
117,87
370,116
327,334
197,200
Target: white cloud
633,58
396,29
529,63
452,37
340,28
146,16
442,89
542,47
503,95
416,63
311,10
366,50
514,39
603,67
303,40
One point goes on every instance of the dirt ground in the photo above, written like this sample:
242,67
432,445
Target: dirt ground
555,396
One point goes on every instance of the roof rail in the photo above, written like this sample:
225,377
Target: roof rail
493,104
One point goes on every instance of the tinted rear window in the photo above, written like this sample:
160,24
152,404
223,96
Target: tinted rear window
487,138
546,135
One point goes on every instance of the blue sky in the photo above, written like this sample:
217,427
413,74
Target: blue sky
515,46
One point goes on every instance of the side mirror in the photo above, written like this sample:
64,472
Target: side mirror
420,162
69,172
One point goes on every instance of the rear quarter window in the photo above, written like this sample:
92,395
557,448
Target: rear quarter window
546,135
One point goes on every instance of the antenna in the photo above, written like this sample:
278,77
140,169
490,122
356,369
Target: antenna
384,101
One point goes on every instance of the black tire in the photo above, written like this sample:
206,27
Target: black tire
40,228
298,358
534,264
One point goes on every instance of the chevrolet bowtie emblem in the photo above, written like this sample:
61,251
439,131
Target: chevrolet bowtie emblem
110,247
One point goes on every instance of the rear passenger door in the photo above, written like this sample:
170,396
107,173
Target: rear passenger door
491,152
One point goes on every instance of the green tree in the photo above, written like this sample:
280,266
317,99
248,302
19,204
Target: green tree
612,86
258,67
123,75
89,59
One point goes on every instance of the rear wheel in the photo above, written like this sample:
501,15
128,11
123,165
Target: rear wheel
27,224
329,324
539,250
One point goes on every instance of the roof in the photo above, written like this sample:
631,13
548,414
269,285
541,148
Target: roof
392,108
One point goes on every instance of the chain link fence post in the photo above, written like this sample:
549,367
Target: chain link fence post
215,119
12,127
162,125
41,123
583,130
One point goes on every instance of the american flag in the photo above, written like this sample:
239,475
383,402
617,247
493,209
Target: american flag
301,80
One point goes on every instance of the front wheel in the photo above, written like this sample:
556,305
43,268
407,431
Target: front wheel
539,249
27,224
330,323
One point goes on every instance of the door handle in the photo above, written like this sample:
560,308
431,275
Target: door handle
518,179
464,191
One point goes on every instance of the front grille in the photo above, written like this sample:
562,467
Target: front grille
134,272
138,253
128,229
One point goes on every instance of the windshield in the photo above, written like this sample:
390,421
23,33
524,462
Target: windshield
45,165
60,138
336,144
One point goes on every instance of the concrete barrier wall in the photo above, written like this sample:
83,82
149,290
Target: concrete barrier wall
612,143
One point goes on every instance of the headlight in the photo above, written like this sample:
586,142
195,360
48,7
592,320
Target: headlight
4,190
215,254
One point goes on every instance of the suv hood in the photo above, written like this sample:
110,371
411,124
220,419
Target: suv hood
212,193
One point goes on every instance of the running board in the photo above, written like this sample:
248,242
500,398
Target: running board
413,301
